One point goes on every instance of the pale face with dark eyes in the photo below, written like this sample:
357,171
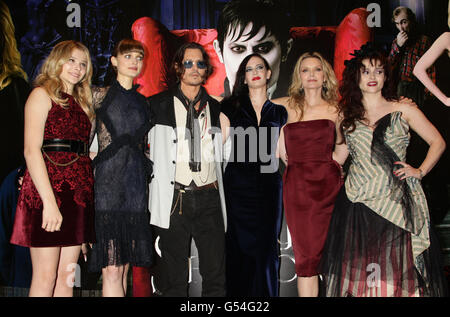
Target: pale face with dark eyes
256,73
74,69
402,22
236,49
128,64
372,77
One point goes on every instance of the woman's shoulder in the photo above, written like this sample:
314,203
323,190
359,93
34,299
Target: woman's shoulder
445,35
98,94
280,109
40,93
404,106
282,101
405,109
39,96
444,40
228,106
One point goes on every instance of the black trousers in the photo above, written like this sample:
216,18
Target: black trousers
196,214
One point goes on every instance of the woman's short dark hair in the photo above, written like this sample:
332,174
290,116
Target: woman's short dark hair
261,13
127,46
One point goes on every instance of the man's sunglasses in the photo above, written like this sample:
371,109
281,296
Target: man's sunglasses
200,64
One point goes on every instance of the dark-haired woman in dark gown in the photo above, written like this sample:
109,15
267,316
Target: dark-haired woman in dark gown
123,233
252,182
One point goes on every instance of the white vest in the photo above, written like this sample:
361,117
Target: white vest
183,174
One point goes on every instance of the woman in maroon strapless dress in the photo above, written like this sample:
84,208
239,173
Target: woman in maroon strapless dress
55,211
312,178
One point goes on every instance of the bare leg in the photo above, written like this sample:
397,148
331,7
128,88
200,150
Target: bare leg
125,278
66,271
113,281
45,265
308,286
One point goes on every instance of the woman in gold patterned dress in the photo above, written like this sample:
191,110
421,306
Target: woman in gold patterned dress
380,241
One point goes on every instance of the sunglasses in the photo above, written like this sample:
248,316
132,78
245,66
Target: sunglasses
189,64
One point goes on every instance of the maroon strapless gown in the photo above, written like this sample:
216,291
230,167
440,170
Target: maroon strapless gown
72,186
311,182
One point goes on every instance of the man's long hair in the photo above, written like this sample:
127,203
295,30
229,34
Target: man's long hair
177,67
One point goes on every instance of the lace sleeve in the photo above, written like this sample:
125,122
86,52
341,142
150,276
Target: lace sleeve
98,94
92,133
103,135
99,129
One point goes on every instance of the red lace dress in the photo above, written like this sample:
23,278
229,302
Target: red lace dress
72,186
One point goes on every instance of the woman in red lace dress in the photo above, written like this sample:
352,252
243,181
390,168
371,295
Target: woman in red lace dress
55,208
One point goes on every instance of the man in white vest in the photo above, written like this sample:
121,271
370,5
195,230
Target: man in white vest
186,198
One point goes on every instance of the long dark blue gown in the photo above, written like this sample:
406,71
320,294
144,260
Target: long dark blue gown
254,200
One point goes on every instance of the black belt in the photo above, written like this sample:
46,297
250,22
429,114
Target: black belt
192,186
61,145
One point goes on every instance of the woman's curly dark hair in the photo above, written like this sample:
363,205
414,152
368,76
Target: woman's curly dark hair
350,105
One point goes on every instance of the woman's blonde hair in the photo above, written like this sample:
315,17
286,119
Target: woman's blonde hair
296,92
10,59
49,79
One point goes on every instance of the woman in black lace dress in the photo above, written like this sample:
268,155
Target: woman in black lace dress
123,234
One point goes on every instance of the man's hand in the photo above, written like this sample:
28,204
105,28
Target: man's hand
404,99
402,37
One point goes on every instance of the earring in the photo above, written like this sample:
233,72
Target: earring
284,58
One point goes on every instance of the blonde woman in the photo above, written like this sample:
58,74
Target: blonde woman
14,90
312,177
55,208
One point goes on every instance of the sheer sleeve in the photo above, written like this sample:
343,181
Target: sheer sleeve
92,133
103,135
98,94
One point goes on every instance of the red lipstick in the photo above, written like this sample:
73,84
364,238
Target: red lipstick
256,78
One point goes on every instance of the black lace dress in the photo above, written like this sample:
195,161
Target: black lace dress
121,171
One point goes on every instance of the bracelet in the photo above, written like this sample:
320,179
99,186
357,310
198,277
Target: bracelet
421,173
